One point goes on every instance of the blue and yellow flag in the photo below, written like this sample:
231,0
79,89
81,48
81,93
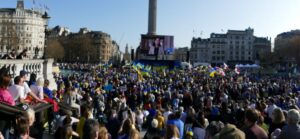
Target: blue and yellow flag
212,74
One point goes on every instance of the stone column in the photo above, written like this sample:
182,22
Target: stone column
152,17
47,71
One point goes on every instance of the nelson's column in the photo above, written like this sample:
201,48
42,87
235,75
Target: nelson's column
152,17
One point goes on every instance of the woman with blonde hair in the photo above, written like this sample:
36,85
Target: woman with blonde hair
160,119
134,134
103,133
125,129
278,120
172,132
38,89
30,114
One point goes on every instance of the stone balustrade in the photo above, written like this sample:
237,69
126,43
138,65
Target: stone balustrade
41,67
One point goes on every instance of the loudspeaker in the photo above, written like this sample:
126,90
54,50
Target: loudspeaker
132,54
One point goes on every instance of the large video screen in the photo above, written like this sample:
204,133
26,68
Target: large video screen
157,45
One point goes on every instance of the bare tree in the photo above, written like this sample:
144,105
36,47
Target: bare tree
9,37
290,50
79,48
55,50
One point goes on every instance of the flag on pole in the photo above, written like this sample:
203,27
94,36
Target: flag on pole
225,66
47,8
221,72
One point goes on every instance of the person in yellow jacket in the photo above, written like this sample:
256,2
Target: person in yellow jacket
87,114
161,120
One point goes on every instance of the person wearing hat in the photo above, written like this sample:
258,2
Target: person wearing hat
153,131
230,132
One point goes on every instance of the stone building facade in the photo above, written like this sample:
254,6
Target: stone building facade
127,55
261,46
107,50
284,38
233,47
182,54
21,29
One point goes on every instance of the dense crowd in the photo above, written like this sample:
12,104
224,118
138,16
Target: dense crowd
118,103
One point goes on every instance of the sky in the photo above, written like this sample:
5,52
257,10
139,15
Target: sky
126,20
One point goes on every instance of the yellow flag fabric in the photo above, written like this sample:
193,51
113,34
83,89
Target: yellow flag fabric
212,74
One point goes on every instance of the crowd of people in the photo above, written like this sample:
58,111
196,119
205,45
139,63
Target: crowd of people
173,104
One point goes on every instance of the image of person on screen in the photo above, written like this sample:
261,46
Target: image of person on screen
151,45
157,45
161,48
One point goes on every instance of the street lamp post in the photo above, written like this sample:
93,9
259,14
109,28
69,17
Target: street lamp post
46,17
100,59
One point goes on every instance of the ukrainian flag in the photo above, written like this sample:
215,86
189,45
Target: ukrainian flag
212,74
